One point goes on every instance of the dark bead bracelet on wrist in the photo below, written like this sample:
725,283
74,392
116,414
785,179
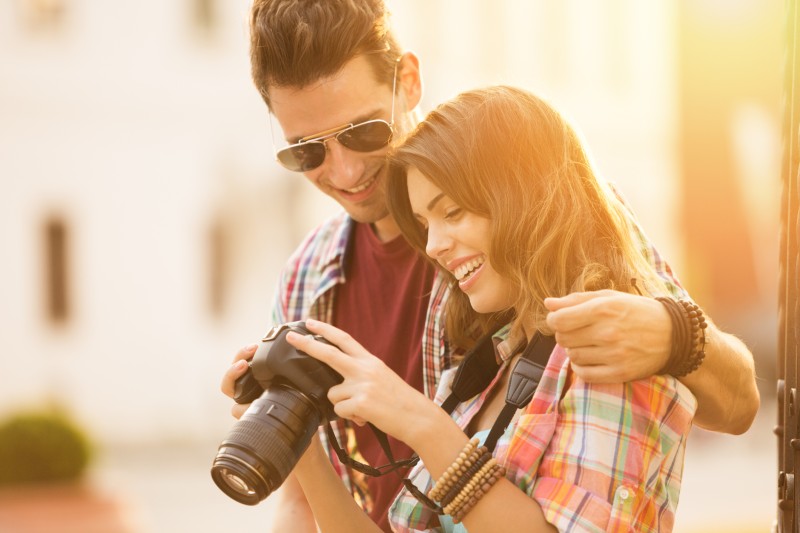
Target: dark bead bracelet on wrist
688,336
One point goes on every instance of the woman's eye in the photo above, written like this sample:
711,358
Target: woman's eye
452,213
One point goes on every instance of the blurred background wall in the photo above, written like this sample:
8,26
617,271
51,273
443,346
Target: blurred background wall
143,221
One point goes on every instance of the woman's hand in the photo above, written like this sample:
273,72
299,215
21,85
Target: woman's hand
371,391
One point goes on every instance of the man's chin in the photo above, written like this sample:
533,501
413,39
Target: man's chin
367,216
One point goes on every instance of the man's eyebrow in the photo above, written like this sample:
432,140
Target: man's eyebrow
433,202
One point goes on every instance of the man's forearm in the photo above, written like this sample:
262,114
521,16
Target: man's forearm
724,385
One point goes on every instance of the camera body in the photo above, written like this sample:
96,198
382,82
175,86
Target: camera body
288,390
276,361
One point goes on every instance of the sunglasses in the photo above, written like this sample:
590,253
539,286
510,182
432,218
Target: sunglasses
309,152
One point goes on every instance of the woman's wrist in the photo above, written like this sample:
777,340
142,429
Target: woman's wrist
309,463
430,428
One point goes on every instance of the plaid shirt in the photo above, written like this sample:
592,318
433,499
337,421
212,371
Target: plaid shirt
594,457
307,289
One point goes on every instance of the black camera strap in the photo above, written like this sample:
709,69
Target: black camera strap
474,374
522,384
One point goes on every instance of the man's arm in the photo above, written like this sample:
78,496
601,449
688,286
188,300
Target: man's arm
615,337
724,385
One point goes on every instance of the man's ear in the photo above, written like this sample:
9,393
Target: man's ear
410,79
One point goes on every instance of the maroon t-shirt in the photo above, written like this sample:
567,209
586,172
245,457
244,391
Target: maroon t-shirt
383,305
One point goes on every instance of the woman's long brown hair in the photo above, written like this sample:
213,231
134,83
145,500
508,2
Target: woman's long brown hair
505,154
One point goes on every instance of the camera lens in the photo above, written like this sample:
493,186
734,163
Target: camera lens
265,444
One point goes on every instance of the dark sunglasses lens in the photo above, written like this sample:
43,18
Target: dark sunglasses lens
366,137
302,157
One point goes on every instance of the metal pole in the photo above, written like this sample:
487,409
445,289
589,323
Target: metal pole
789,285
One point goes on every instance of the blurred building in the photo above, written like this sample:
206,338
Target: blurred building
729,127
144,222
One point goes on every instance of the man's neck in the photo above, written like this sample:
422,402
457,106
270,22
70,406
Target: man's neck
385,229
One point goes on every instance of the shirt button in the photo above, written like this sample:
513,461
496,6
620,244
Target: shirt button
624,494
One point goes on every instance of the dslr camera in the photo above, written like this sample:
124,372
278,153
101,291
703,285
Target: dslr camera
288,389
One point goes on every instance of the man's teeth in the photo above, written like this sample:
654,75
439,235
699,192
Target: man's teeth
361,187
466,269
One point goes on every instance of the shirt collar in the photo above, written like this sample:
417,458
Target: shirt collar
506,345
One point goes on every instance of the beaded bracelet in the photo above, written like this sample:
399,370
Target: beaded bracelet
467,457
469,487
495,474
466,480
459,472
462,481
698,337
688,337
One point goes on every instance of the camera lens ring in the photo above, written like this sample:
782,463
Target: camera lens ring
228,467
264,445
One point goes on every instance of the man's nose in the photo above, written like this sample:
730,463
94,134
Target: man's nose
344,166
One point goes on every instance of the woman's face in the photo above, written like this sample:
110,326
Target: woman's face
459,241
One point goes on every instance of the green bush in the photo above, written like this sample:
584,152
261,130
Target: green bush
40,447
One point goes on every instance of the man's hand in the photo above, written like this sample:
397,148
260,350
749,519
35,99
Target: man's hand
614,337
237,369
611,336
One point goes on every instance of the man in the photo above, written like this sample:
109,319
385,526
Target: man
333,76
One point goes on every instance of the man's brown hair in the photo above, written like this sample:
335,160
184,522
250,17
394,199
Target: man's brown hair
294,43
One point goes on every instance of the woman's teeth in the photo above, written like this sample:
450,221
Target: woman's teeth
466,269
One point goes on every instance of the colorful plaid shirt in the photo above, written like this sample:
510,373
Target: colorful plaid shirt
306,288
594,457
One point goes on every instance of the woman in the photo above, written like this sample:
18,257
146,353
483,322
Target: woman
496,188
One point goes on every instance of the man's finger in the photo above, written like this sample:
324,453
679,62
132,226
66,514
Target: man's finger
245,353
575,298
598,373
576,316
239,409
587,355
234,372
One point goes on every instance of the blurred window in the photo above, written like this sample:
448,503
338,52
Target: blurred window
205,15
43,15
56,257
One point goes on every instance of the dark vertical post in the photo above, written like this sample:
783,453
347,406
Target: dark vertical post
789,278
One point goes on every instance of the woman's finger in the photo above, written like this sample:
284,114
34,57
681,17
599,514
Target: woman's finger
339,392
325,353
343,340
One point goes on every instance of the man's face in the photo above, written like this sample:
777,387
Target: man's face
356,180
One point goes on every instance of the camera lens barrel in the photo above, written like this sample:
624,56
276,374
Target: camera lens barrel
263,447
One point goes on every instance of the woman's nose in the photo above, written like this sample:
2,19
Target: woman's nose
438,242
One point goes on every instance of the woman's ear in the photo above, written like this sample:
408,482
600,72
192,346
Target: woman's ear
410,79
